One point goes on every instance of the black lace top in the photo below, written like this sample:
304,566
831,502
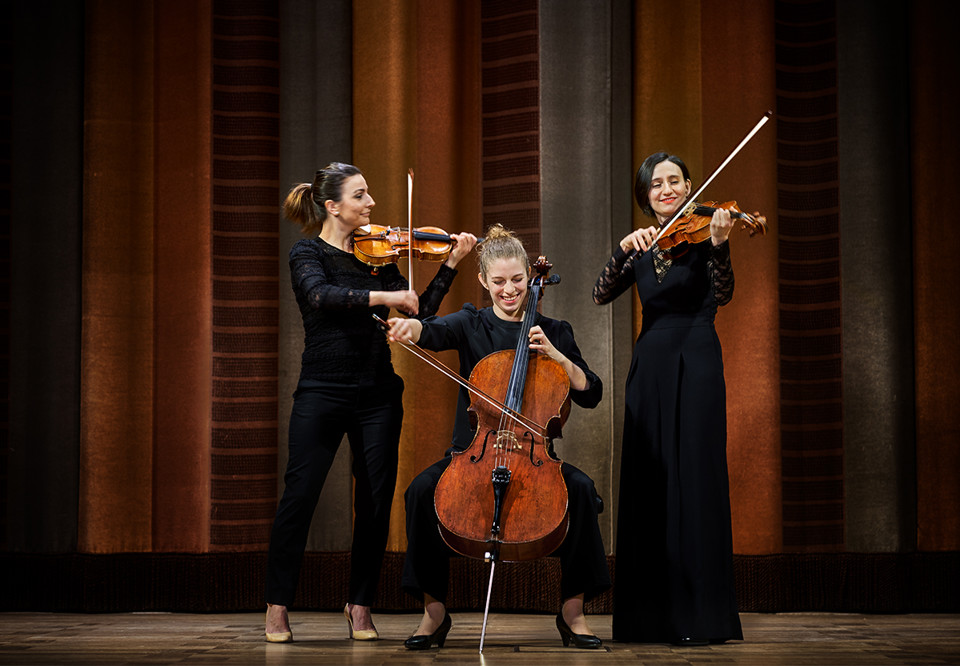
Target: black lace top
621,271
342,342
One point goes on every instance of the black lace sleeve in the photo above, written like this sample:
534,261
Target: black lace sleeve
432,296
721,272
615,278
310,276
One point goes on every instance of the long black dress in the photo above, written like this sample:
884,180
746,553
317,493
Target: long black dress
674,555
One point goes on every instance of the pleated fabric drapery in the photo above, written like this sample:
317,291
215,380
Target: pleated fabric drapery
934,166
696,97
415,105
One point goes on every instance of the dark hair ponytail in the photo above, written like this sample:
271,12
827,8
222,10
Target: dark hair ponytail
305,203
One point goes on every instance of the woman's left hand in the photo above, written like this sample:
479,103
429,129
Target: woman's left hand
465,243
720,225
541,343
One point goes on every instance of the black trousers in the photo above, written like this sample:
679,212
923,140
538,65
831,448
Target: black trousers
583,561
322,413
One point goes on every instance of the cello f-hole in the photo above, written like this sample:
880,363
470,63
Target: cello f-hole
483,450
529,435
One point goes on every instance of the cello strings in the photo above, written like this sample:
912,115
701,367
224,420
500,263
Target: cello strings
440,367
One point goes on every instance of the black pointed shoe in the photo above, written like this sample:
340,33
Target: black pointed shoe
425,642
586,641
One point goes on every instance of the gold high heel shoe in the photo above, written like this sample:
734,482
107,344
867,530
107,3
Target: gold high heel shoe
359,634
280,636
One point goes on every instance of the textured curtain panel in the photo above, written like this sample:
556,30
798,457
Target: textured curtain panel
810,308
934,159
233,582
697,98
737,89
117,354
244,197
416,105
182,305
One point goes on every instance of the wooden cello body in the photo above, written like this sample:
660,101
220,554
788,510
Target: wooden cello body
503,497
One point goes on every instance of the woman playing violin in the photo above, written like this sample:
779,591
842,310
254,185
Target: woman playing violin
347,386
475,333
674,553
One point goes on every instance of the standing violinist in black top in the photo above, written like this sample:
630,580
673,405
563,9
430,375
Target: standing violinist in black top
347,386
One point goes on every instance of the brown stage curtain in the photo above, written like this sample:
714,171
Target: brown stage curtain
117,347
145,359
696,97
935,167
416,92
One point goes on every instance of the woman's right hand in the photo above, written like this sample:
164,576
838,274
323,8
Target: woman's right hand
405,301
639,240
404,330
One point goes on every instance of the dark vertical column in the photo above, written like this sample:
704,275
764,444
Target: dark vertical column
315,129
876,265
510,99
245,309
586,183
40,232
810,314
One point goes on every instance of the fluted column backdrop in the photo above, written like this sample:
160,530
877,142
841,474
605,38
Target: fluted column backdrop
315,129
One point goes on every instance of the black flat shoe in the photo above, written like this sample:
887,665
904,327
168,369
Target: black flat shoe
425,642
586,641
691,642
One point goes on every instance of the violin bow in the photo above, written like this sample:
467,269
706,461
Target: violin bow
410,224
693,197
420,353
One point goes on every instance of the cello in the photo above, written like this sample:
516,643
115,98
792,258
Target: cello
503,497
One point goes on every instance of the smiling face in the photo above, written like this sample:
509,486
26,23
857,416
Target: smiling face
668,190
353,208
506,280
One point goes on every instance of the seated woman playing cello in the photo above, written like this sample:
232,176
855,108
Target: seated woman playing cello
476,333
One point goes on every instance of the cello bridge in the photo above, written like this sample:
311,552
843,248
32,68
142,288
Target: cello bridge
506,440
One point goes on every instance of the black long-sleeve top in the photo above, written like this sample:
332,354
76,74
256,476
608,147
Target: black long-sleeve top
476,333
618,275
342,342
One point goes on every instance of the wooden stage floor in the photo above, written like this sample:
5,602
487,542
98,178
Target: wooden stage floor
321,638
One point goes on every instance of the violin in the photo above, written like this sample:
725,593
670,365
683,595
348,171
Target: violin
692,223
693,226
376,245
